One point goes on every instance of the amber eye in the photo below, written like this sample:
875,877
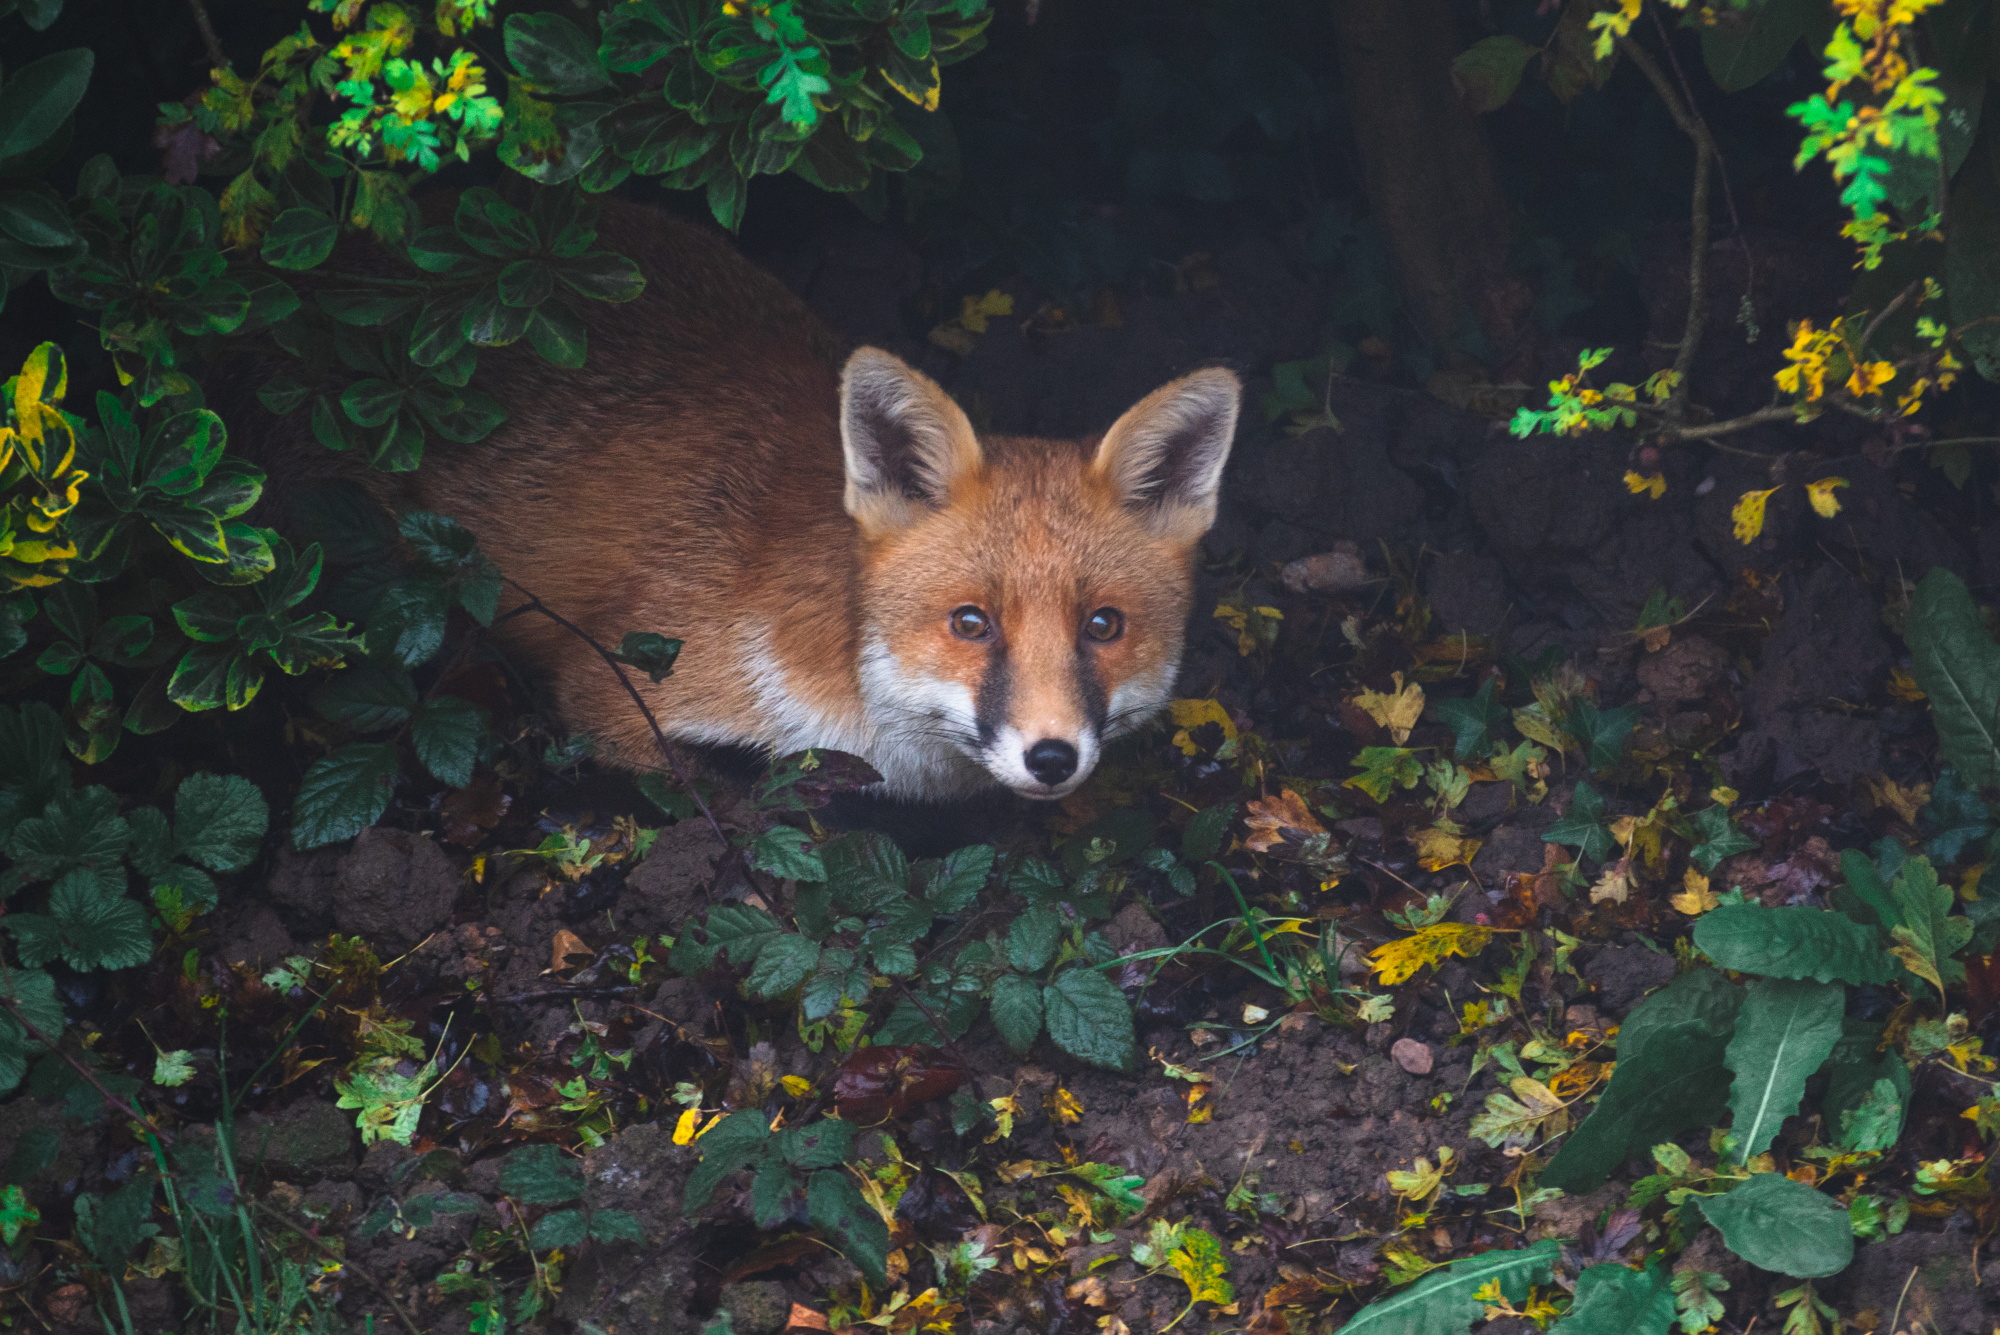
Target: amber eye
969,623
1105,624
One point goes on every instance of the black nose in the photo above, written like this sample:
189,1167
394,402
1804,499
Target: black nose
1051,761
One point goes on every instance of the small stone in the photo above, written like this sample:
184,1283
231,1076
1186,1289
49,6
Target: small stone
1412,1056
1328,572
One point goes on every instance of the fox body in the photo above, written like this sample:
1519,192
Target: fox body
849,564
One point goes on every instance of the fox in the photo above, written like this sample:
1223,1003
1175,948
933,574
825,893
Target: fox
849,564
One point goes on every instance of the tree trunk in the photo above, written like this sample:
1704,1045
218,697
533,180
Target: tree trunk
1429,177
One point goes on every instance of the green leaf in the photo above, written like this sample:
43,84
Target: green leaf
1930,934
34,993
1488,71
615,1226
541,1175
1603,732
367,698
602,276
343,794
959,879
1953,818
740,932
1089,1018
1718,838
1670,1076
492,226
1865,881
1778,1224
1793,943
1017,1011
1867,1095
836,1206
782,964
113,1225
734,1142
1441,1303
865,871
299,238
1957,665
1582,826
89,925
219,821
447,736
39,97
553,54
786,850
80,829
1744,45
826,1143
1384,769
563,1228
1474,722
650,652
1784,1031
1618,1300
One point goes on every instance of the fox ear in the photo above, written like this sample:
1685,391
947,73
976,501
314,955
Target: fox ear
1165,455
906,442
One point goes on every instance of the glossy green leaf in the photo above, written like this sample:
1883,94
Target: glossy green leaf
447,736
786,851
1089,1018
1017,1011
39,97
299,238
554,54
1582,826
343,794
1781,1225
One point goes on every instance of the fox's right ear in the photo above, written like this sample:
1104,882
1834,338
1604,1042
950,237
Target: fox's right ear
906,442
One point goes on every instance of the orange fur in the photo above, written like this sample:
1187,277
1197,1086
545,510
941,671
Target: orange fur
692,480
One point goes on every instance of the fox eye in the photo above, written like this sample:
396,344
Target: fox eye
969,623
1105,624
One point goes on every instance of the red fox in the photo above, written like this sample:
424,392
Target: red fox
849,563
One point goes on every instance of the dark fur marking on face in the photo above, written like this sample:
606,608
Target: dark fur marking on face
995,687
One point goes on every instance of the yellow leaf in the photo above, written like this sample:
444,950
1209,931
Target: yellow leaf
796,1085
1191,714
1869,377
974,312
1824,503
1695,897
1202,1267
1615,884
1748,514
1397,711
1641,484
1398,961
1065,1107
1905,802
685,1128
1439,847
1904,686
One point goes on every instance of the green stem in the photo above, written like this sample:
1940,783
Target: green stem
1248,920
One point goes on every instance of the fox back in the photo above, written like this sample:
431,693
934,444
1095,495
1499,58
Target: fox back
849,564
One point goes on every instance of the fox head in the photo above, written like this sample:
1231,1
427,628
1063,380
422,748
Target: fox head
1023,600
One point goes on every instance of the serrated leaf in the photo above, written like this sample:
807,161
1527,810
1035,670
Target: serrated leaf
1718,838
865,871
1781,1225
1618,1300
786,851
1793,943
1089,1018
1930,934
1784,1031
959,879
540,1175
733,1143
564,1228
34,993
448,735
650,652
219,821
1957,665
1473,722
1017,1011
1200,1262
368,698
75,829
1032,939
1442,1302
782,964
1206,829
343,794
836,1206
90,925
615,1226
1398,961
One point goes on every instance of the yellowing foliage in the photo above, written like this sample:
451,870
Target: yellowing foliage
1191,714
1398,961
1695,897
39,483
1824,503
1748,514
1646,484
1398,710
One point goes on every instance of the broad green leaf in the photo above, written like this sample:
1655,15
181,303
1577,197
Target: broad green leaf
865,871
1203,1266
739,931
80,829
1957,665
90,925
1384,769
1602,732
1746,44
39,97
1781,1225
1089,1018
602,276
367,698
553,54
1488,71
1670,1076
837,1207
1867,1097
782,964
1017,1011
650,652
785,850
1865,881
1618,1300
1930,934
959,879
826,1143
1032,939
219,821
615,1226
299,238
34,992
1793,943
113,1225
562,1228
1206,829
448,734
540,1175
1582,826
343,794
1783,1033
735,1142
1474,722
1442,1302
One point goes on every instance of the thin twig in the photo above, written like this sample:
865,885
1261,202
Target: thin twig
673,758
1868,333
111,1100
1696,129
216,59
1730,426
345,1263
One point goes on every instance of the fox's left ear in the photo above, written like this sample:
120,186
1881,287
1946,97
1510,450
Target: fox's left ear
906,443
1165,455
